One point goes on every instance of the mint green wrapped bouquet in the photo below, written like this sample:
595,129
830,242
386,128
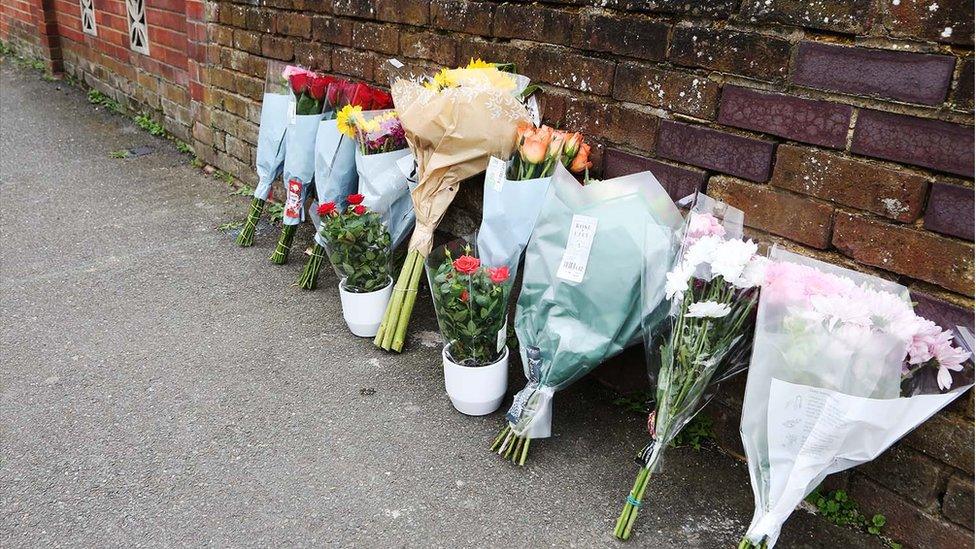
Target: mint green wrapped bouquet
581,289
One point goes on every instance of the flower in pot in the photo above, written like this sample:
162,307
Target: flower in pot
471,303
358,244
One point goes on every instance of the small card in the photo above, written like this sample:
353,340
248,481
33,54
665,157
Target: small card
395,62
292,111
502,337
533,107
495,174
577,253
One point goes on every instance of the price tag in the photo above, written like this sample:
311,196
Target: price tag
502,337
533,107
405,164
292,113
495,174
577,252
395,62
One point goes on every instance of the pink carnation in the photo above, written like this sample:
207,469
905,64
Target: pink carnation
702,225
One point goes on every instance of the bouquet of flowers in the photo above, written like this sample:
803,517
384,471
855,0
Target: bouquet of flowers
453,123
579,303
309,91
334,159
358,245
271,142
713,290
511,203
831,382
384,163
471,303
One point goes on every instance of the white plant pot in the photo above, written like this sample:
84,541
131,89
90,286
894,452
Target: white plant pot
476,390
364,312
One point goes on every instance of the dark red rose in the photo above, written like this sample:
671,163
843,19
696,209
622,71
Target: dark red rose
355,199
466,264
359,209
498,275
319,86
382,99
327,208
464,296
334,93
300,82
360,95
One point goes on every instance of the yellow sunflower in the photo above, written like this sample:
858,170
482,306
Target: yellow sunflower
348,118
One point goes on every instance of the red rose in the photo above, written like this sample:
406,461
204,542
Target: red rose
327,208
355,199
381,99
464,296
359,209
319,86
300,81
466,264
334,93
498,275
360,95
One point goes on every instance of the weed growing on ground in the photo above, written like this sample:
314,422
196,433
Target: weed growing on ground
183,146
230,225
98,98
697,433
838,508
121,153
145,122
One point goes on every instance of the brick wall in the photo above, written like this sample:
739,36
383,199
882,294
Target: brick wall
843,128
30,27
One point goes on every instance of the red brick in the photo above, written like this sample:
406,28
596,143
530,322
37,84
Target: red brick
775,211
930,143
847,16
677,180
747,54
310,54
277,48
247,41
907,251
376,37
567,69
534,22
807,120
356,63
411,12
745,157
899,75
332,30
905,522
950,22
258,19
462,16
950,210
294,24
962,96
893,193
630,35
957,504
438,48
624,125
671,90
708,8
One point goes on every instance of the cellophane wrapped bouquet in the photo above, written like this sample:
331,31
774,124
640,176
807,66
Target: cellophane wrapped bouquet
512,201
335,167
580,297
841,368
270,157
454,122
305,112
710,299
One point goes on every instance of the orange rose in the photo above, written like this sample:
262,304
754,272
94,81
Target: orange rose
582,160
556,145
572,144
534,148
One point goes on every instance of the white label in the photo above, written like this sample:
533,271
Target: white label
502,337
405,164
533,107
577,253
396,63
292,111
495,174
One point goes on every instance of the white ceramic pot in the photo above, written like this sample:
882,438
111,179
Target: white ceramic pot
476,390
364,312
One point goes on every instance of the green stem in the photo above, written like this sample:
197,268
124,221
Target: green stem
246,238
401,331
310,274
280,254
384,337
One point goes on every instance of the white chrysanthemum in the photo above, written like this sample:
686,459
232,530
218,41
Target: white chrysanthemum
702,251
753,274
708,309
837,309
731,258
677,281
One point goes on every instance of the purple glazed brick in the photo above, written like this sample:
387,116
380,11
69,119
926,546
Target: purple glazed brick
745,157
900,75
943,313
678,181
930,143
817,122
950,210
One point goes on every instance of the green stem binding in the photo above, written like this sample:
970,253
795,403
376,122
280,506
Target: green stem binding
511,447
280,254
246,238
310,275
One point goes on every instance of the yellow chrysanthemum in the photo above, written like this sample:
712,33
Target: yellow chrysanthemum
348,118
482,77
479,64
443,79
